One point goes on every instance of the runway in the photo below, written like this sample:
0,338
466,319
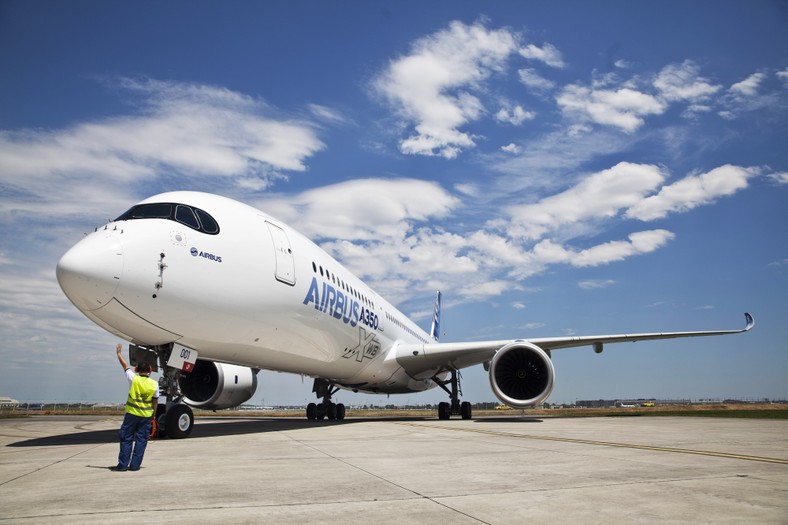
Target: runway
488,470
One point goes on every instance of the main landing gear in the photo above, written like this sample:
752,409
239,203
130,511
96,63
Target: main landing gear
325,409
455,408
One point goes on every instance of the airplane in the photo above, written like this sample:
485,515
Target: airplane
212,291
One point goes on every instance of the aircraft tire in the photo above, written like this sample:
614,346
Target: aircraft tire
465,410
179,421
443,411
340,411
320,411
311,411
161,421
331,411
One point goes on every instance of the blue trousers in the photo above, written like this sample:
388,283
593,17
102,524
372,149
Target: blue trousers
134,434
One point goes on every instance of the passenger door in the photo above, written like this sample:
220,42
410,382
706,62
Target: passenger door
285,263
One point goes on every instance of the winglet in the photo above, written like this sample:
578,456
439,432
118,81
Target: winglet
750,322
436,317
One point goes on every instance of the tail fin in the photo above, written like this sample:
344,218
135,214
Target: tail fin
436,317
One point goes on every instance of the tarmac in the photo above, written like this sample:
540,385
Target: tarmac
54,469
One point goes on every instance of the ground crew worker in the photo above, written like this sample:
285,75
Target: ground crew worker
140,409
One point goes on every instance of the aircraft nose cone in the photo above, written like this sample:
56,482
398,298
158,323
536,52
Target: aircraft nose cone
89,273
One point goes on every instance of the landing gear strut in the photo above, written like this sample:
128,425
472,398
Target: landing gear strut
446,410
325,409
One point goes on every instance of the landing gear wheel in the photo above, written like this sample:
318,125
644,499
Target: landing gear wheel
340,411
465,410
444,411
161,421
311,411
179,421
320,411
331,411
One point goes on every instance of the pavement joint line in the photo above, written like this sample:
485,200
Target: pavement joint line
51,464
418,494
604,443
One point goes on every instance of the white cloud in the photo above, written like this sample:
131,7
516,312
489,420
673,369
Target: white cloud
361,209
379,230
515,116
497,251
638,244
484,290
594,284
431,87
599,195
749,86
511,148
682,82
549,161
622,108
197,130
472,190
783,75
548,252
548,54
692,191
530,78
746,96
780,178
327,114
778,264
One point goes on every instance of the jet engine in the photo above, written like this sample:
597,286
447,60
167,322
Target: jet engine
214,386
521,375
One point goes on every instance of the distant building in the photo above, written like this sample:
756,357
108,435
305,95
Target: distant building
596,403
7,402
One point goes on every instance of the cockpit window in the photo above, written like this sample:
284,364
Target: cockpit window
206,221
185,215
151,211
194,218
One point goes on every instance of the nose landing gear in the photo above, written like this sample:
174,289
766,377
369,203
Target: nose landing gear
174,418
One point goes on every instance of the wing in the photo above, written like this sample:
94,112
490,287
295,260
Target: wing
422,361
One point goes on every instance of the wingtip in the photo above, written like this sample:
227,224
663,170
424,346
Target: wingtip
750,321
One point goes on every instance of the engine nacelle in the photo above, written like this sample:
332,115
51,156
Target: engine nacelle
521,375
214,386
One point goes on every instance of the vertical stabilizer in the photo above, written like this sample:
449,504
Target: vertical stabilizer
436,317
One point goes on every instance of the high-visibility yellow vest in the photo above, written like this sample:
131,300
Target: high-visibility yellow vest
140,401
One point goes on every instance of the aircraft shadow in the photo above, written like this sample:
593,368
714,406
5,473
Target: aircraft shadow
514,419
203,428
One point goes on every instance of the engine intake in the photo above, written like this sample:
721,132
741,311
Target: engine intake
215,386
521,375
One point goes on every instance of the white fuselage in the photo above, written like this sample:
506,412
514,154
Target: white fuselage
257,294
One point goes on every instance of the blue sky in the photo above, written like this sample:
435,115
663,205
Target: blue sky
554,168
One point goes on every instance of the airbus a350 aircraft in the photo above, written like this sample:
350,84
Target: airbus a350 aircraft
212,291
